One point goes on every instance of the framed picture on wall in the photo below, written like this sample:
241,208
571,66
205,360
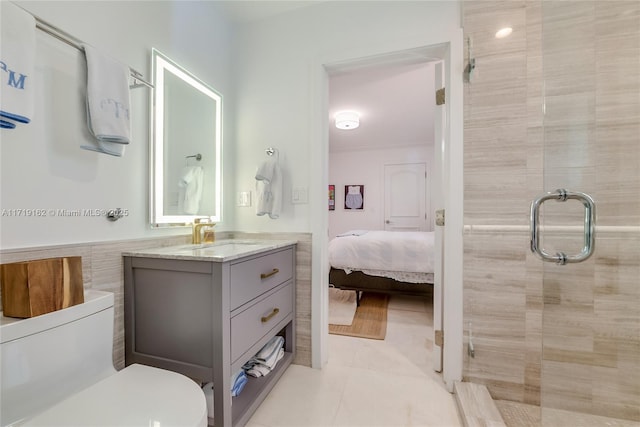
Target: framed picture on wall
332,197
353,197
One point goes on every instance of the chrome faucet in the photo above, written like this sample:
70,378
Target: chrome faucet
198,225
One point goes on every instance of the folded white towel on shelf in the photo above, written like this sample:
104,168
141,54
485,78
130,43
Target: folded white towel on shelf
258,369
269,353
269,192
17,65
266,359
190,189
108,102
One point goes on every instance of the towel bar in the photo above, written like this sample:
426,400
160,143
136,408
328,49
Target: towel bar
72,41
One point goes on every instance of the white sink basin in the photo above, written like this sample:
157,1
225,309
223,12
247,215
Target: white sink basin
223,243
221,249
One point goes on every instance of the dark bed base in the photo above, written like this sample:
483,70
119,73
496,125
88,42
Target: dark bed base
358,281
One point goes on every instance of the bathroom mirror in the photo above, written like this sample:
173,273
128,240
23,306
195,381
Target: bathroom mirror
185,161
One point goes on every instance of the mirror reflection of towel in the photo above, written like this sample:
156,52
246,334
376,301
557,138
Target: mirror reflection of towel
190,185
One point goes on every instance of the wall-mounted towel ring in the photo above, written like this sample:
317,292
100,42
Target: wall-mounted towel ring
197,156
271,151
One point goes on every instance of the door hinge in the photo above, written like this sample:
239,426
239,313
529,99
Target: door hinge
440,97
439,338
440,217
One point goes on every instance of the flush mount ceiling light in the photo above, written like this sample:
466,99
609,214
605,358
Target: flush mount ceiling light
347,120
504,32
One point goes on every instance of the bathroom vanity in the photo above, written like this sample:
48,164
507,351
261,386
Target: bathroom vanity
205,310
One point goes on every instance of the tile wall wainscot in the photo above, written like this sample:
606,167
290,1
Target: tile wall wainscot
587,313
102,269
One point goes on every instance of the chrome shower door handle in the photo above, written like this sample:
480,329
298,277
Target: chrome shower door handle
589,227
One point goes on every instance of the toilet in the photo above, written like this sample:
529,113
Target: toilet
57,370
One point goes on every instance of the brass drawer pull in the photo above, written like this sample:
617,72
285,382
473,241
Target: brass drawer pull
265,319
267,275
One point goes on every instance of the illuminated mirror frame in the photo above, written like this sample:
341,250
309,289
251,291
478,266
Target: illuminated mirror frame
160,64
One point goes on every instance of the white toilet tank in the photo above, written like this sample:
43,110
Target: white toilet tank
47,358
57,370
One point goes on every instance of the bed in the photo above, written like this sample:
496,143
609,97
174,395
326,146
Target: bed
391,262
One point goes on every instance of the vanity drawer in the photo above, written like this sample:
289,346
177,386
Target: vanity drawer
254,277
256,321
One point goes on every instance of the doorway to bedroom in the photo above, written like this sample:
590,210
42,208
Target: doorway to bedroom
383,175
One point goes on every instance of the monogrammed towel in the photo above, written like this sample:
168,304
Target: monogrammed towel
17,59
108,102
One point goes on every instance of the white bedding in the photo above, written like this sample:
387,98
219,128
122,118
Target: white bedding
384,251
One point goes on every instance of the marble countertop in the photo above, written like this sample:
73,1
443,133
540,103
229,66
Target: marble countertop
220,251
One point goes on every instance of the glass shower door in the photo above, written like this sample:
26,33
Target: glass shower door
590,368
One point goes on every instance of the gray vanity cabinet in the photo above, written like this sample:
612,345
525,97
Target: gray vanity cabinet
206,318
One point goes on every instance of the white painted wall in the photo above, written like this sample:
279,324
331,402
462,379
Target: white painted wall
366,167
282,94
276,62
42,166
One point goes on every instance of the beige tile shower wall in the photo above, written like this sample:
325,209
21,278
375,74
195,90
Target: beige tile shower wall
102,269
495,297
588,66
617,131
591,327
503,163
496,148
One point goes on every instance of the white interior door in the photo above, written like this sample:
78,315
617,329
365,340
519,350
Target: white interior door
405,197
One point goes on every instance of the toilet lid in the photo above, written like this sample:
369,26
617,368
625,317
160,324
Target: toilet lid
136,396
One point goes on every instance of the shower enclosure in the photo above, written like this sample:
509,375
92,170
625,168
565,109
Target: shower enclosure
590,67
552,121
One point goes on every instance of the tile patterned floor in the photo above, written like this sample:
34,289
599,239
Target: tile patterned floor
368,382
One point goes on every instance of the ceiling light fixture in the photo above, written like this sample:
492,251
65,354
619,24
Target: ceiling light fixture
347,120
504,32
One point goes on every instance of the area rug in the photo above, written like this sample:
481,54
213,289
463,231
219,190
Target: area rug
342,307
370,320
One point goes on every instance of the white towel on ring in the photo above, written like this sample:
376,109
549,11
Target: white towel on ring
266,170
269,194
17,65
108,102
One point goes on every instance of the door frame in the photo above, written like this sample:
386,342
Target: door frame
448,48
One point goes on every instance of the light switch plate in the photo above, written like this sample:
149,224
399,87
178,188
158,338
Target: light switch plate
299,195
244,198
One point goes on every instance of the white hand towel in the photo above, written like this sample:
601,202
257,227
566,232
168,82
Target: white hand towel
190,189
108,102
269,194
265,170
17,64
